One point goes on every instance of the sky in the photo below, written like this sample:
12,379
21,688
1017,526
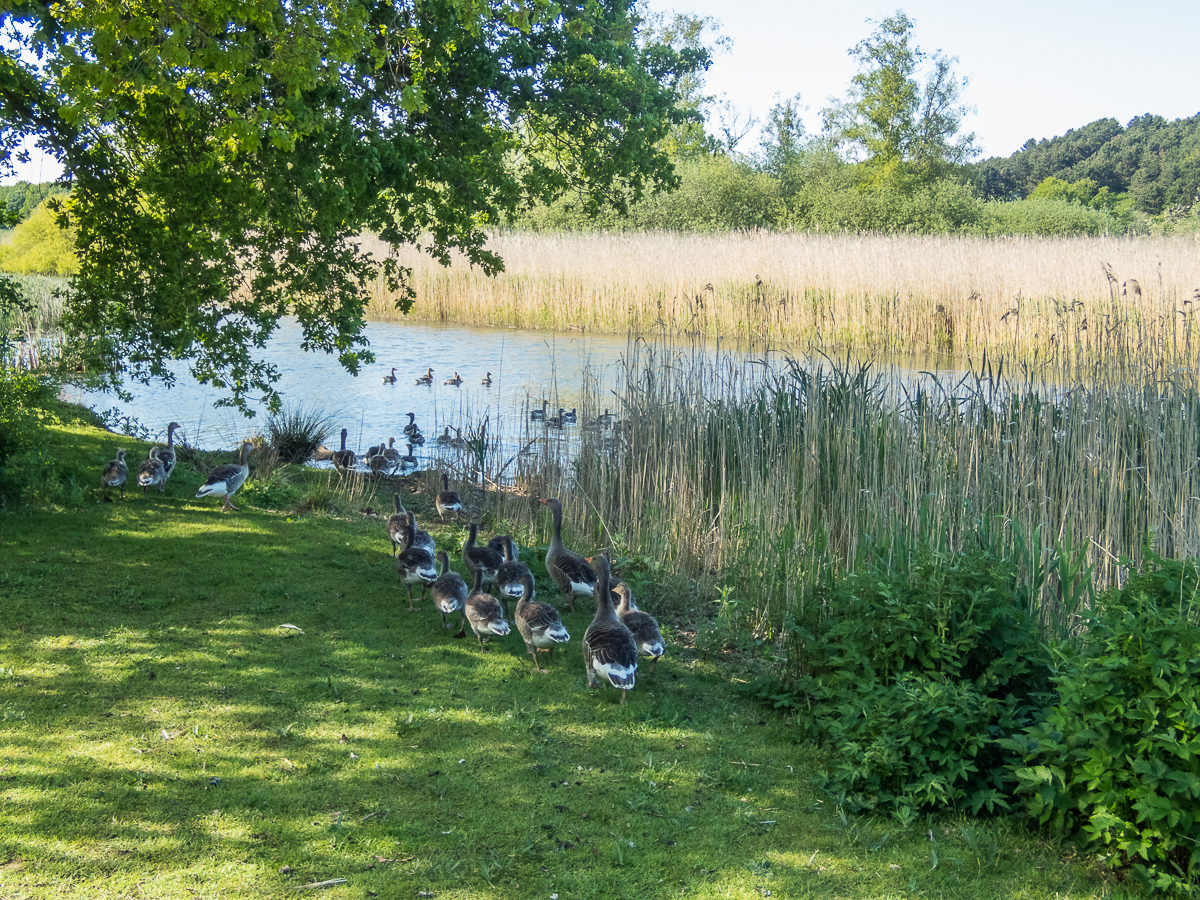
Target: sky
1034,69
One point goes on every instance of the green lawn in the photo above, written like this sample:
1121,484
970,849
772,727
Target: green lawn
162,735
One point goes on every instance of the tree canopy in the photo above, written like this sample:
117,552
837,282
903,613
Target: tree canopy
224,158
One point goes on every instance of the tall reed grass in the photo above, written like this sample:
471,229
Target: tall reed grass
759,481
876,293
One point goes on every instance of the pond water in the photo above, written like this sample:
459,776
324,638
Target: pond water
526,368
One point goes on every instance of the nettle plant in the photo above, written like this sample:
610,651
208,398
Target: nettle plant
1116,763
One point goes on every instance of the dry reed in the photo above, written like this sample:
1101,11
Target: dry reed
872,293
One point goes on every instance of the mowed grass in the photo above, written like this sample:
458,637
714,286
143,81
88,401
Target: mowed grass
163,735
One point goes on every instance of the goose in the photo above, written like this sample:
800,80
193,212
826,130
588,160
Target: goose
486,380
609,649
498,544
427,378
408,460
447,500
225,480
151,472
411,427
455,381
114,474
417,438
642,625
480,558
343,458
397,524
444,437
449,590
556,421
570,418
392,454
510,575
390,379
372,450
459,442
570,571
539,623
539,415
483,613
414,564
167,456
378,463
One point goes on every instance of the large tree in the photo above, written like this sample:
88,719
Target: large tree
896,125
225,157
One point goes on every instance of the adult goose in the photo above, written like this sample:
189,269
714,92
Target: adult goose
556,421
378,463
539,415
343,458
569,571
114,474
444,437
417,438
151,472
570,418
609,649
642,625
397,525
166,455
414,564
539,623
392,454
427,378
455,381
498,544
481,559
483,613
390,379
510,577
447,501
449,590
408,460
486,380
225,480
411,428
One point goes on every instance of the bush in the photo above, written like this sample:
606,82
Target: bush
1050,217
1117,761
914,677
40,247
294,434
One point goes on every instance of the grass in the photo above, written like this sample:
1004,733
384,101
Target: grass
872,293
163,734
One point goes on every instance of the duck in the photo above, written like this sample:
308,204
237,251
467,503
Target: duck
114,474
225,480
447,500
510,575
166,455
538,623
556,421
569,571
483,613
455,381
609,648
486,380
539,415
481,558
343,458
570,418
642,625
427,378
391,378
449,590
411,428
397,525
408,460
151,472
444,437
414,564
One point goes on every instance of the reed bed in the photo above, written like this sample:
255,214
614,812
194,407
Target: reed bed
872,293
756,482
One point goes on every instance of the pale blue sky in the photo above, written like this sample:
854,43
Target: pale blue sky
1036,69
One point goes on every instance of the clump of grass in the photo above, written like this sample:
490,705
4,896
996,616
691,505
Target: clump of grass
295,432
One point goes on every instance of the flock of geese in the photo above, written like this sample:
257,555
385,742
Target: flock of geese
619,632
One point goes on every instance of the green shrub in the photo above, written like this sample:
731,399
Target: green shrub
1050,217
40,247
295,433
912,678
1117,761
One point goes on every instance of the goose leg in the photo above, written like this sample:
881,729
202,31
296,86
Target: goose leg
411,608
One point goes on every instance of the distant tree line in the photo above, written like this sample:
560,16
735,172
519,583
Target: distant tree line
18,200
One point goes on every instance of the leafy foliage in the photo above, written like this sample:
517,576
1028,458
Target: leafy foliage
40,247
1115,762
226,158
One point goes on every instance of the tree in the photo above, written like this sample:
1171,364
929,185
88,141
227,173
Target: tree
225,157
903,129
783,134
